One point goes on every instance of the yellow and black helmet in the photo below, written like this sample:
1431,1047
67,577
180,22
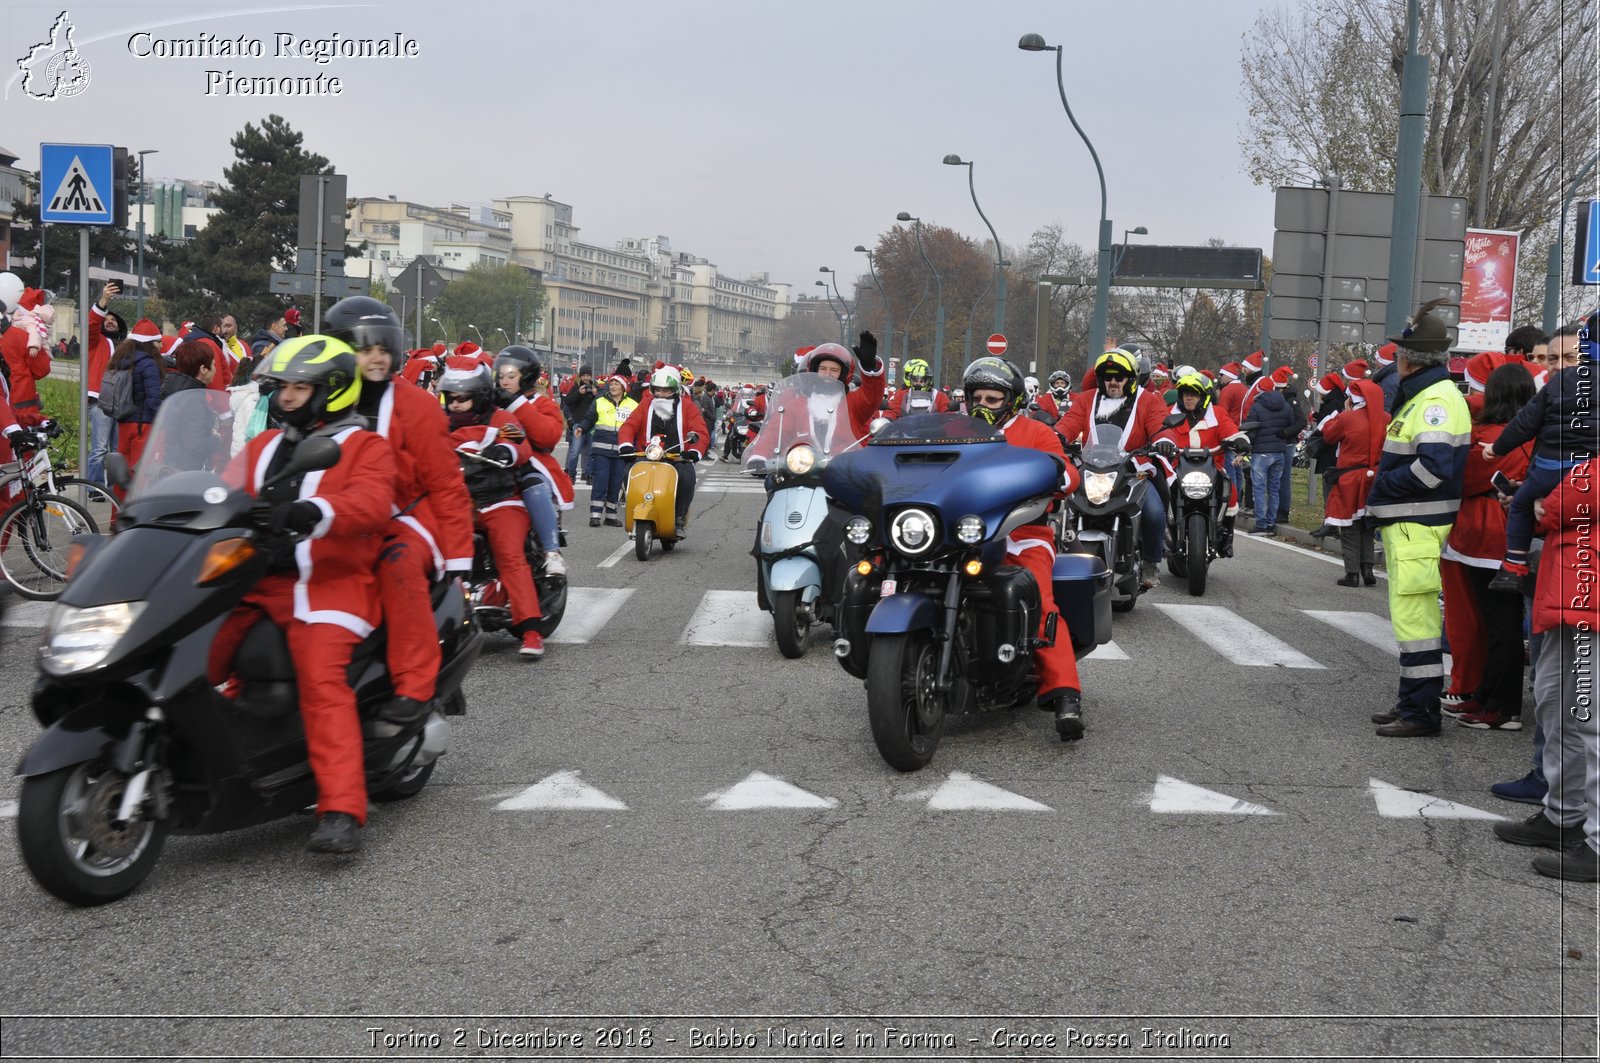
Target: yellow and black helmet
1117,362
326,363
1196,384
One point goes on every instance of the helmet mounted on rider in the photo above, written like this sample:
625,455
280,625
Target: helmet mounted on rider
1060,383
524,361
364,322
470,382
1195,384
1116,364
994,374
833,352
327,364
916,374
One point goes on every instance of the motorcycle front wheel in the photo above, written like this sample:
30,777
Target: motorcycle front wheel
1199,544
643,532
71,841
789,624
906,713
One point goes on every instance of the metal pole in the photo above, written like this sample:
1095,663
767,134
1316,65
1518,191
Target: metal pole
1552,280
1489,113
1407,176
1334,185
83,348
888,310
938,321
316,308
417,265
1041,322
999,260
1102,290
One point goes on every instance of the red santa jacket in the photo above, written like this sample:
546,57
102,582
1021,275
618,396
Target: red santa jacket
542,424
502,429
866,401
1478,537
422,366
1231,400
1143,425
1212,429
337,580
99,351
1024,431
635,432
1567,589
1358,434
1048,405
433,496
27,361
940,403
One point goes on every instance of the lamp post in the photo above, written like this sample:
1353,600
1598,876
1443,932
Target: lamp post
138,301
837,316
1032,42
999,263
444,333
1140,231
938,321
587,346
504,333
475,328
844,305
888,311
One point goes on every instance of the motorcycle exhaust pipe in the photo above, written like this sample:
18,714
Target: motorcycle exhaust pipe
841,648
132,798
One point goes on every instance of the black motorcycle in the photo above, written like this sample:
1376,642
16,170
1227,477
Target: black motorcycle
1102,516
1195,518
138,742
490,603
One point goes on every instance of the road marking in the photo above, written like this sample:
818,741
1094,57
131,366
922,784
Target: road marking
617,554
962,791
760,790
1236,638
1175,795
1110,651
728,618
1299,550
8,810
588,610
563,790
1370,628
22,613
1395,803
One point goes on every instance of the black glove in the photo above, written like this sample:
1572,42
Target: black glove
297,518
21,439
866,351
1165,447
1241,446
625,450
500,453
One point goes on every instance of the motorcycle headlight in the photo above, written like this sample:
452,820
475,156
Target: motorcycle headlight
1196,484
1097,486
858,530
912,531
79,639
969,529
653,452
801,459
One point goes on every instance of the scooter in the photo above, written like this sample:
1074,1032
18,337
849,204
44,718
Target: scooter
799,551
138,743
650,505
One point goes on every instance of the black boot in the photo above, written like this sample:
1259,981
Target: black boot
404,710
337,832
1349,579
1225,538
1068,706
1369,577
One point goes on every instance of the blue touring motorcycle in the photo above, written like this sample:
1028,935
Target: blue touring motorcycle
932,618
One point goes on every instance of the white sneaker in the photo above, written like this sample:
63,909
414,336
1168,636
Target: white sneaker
553,565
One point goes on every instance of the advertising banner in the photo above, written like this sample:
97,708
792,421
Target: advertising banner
1488,289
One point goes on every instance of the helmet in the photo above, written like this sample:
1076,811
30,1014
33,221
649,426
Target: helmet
916,369
524,361
687,377
1119,361
836,352
1195,384
364,322
462,378
995,374
666,377
1179,372
1031,385
1061,375
1141,362
326,363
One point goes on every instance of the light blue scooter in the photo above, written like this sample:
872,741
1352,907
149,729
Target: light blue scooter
800,562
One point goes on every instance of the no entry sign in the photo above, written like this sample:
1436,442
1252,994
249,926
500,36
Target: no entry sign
997,344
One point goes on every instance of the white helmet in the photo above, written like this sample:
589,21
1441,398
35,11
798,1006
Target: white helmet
666,377
1031,385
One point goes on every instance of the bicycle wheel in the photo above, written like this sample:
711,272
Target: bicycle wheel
35,535
94,499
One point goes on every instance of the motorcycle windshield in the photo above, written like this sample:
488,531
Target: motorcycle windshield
806,410
1105,446
942,428
192,432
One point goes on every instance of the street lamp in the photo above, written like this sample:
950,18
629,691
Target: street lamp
587,346
1032,42
504,333
999,265
849,312
138,301
938,321
1140,231
888,310
475,328
444,333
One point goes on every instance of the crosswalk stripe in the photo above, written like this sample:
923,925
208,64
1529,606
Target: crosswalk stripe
1236,638
8,810
1370,628
728,618
588,610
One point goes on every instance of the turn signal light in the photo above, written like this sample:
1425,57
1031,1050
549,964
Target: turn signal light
863,568
973,567
223,558
75,554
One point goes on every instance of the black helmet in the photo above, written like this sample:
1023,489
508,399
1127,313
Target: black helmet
1141,362
364,322
525,361
473,381
326,363
995,374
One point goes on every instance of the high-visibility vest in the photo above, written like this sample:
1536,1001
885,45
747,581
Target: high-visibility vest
1424,458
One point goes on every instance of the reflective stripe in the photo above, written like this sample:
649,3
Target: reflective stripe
1423,671
1422,645
1392,445
1414,509
1420,471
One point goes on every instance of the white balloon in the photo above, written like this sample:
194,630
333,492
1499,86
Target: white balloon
11,288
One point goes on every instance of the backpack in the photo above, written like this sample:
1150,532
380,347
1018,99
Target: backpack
116,394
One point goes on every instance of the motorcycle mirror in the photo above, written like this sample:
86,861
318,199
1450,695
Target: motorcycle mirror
694,437
878,424
117,471
312,455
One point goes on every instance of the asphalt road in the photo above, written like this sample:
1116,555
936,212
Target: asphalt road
1213,862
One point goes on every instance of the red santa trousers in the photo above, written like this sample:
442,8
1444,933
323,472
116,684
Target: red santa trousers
403,571
1464,629
507,527
1056,667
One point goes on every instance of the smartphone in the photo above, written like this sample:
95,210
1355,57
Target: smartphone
1502,483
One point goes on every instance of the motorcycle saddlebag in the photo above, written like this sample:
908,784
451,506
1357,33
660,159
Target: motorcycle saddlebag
1005,610
1082,586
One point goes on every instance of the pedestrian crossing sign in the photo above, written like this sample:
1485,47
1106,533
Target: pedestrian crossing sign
1586,254
75,183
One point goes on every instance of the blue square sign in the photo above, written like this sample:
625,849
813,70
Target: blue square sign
1586,255
75,183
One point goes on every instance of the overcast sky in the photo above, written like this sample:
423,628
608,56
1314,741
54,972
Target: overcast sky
764,137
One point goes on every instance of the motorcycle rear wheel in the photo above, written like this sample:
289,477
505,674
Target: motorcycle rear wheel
1199,547
408,785
789,624
552,591
643,532
906,714
70,842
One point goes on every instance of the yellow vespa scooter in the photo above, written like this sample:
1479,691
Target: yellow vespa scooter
650,509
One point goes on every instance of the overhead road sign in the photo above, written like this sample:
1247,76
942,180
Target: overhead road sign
76,184
1198,265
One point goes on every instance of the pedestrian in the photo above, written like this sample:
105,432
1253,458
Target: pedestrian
1330,393
1283,379
612,411
1270,424
140,353
1357,432
106,331
192,443
274,332
578,406
1414,500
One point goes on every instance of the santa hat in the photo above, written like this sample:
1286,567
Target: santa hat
467,349
1229,372
32,299
292,316
1252,362
619,378
1385,354
1356,370
168,343
145,331
1208,374
439,349
1329,383
1282,375
1480,366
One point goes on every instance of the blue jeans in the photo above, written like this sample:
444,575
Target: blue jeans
578,447
1540,481
1265,475
541,506
1153,525
102,430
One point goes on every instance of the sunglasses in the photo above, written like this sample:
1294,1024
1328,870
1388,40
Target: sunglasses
995,401
456,400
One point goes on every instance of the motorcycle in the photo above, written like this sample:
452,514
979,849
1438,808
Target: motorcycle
800,562
1195,533
1102,516
741,427
137,741
650,504
491,606
932,618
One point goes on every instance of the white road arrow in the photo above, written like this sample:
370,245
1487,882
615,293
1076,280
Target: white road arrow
962,791
563,790
1175,795
1395,803
8,809
760,790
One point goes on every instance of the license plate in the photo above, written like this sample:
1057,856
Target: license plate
886,588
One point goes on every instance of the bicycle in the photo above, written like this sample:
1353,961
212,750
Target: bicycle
36,530
94,497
